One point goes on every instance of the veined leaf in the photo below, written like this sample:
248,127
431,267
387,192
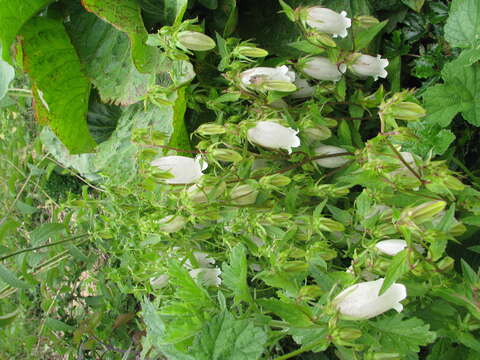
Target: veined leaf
105,53
235,274
61,89
169,11
9,277
125,15
463,24
180,138
13,15
397,269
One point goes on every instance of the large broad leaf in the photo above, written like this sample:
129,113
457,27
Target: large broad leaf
459,93
168,12
13,14
102,119
7,73
126,16
105,53
463,24
60,88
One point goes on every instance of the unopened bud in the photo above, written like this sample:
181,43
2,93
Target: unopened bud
172,223
406,110
250,51
295,266
196,41
347,334
453,183
243,194
366,21
446,264
322,39
275,180
211,129
277,85
327,224
423,212
457,229
226,155
318,133
204,194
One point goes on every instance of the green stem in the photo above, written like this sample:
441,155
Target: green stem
404,162
300,351
19,92
42,246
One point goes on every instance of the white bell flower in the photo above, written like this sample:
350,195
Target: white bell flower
271,135
321,68
304,89
172,223
328,21
361,301
159,282
391,247
185,170
366,65
331,162
207,276
256,76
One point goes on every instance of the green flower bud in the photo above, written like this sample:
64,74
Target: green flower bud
322,39
201,195
446,264
277,85
226,155
251,51
171,223
211,129
327,224
406,110
275,180
318,133
366,21
196,41
243,194
347,334
423,212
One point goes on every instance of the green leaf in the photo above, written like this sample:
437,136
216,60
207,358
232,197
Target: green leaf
402,336
126,16
415,5
224,337
8,318
364,37
57,325
187,289
169,12
470,276
180,138
46,231
287,10
105,53
463,24
294,314
13,15
7,74
209,4
398,267
469,341
102,119
8,277
61,89
235,274
433,138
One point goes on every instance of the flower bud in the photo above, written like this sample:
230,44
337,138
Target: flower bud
366,65
321,39
446,264
256,77
226,155
327,21
361,301
317,133
304,90
196,41
331,162
391,247
276,180
406,110
243,194
172,223
347,334
159,281
423,212
251,51
327,224
277,85
321,68
272,135
211,129
366,21
204,194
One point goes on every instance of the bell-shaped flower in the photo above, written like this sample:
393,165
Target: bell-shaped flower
304,89
362,301
328,21
172,223
272,135
159,282
366,65
321,68
184,170
207,276
256,77
333,161
391,247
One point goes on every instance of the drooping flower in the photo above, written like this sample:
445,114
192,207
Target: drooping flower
207,276
258,76
328,21
172,223
184,170
321,68
334,161
366,65
194,40
361,301
391,247
272,135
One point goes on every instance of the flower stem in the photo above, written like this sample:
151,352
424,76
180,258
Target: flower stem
300,351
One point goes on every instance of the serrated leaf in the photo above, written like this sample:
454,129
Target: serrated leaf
294,314
397,268
234,274
61,89
13,15
105,53
462,28
126,16
402,336
187,289
9,277
224,337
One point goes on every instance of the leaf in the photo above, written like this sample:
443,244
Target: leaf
102,119
415,5
7,74
398,267
125,15
169,12
186,288
364,37
224,337
209,4
434,138
8,277
57,325
470,276
235,274
61,89
463,24
13,15
289,12
180,138
46,231
294,314
8,318
402,336
105,53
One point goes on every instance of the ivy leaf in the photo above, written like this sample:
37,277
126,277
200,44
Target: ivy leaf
13,15
60,88
235,274
224,337
463,24
105,54
126,16
402,336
